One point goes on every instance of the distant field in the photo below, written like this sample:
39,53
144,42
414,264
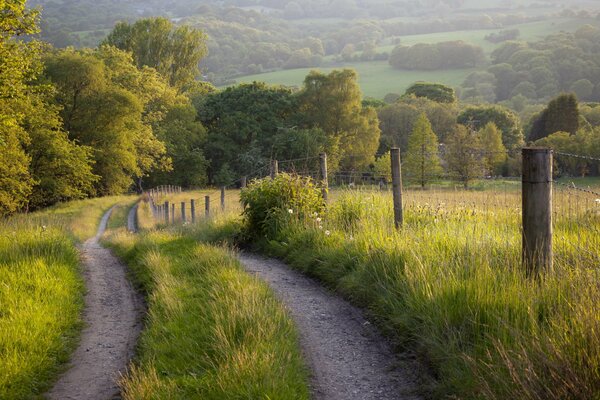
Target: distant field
376,78
530,32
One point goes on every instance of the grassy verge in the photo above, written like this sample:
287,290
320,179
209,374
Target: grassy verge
450,285
41,293
212,331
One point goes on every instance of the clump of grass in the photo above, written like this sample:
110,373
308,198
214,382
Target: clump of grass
41,293
212,331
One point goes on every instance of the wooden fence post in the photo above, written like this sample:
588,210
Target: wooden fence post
537,210
166,209
244,182
173,212
207,206
324,177
193,206
183,212
223,198
274,169
397,186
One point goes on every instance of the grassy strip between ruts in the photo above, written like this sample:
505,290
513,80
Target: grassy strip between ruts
212,330
41,293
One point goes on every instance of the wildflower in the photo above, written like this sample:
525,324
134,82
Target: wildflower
327,233
351,238
597,201
44,228
290,211
316,214
318,219
320,226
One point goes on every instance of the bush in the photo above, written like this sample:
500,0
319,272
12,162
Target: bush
271,204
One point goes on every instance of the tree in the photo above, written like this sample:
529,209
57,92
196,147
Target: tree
39,165
99,114
507,121
433,91
422,162
561,115
333,103
464,155
19,63
175,52
494,151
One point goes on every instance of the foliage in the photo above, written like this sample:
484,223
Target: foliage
333,103
464,155
507,121
174,52
494,151
271,204
561,115
443,55
433,91
242,123
584,142
39,165
422,161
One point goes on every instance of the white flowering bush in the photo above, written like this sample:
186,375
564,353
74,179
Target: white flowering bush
270,204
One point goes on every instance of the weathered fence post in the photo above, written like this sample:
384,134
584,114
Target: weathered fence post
274,169
183,211
244,182
193,211
223,198
207,206
324,178
397,186
166,207
537,210
173,212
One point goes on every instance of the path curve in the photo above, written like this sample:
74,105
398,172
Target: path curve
113,320
348,358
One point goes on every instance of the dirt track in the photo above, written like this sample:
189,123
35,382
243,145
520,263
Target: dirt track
348,359
112,316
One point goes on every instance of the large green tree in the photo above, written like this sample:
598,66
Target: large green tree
422,161
433,91
464,155
174,51
39,165
561,115
333,103
495,154
506,120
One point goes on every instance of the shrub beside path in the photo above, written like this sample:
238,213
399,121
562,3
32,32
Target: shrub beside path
113,321
347,357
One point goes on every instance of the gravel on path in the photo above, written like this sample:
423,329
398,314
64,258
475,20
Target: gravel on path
347,357
113,320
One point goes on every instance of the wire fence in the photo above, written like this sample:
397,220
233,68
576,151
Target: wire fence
484,203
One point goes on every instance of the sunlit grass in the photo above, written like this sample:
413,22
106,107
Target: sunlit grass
41,292
450,285
212,330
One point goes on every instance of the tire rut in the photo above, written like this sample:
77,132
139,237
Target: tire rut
347,357
113,320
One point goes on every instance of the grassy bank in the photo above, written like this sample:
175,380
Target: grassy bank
41,295
450,285
212,331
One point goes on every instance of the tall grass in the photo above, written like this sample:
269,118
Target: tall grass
450,286
41,293
212,331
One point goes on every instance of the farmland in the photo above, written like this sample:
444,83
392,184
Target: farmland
378,78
